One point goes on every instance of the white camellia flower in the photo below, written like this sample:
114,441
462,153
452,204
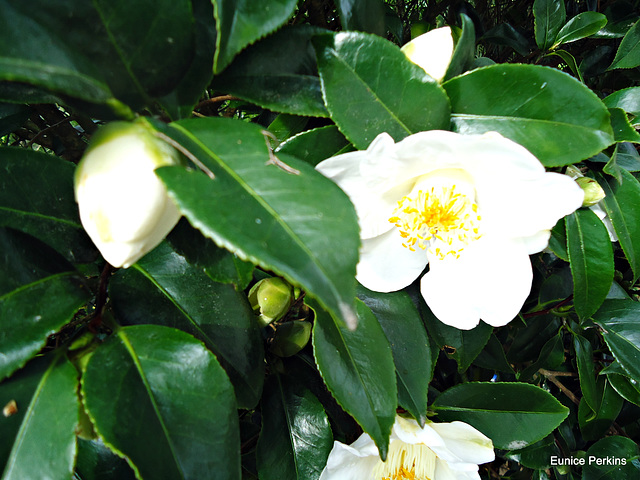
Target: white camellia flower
124,207
439,451
432,51
473,207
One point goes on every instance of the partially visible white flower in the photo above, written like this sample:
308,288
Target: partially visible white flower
593,199
124,207
432,51
439,451
473,207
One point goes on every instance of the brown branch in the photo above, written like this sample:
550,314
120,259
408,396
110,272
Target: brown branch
551,376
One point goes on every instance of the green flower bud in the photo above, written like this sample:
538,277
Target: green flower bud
593,192
271,299
124,207
290,338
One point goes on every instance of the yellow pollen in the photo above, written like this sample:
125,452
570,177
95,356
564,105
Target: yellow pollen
406,462
439,220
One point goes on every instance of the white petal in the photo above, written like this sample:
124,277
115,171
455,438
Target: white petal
490,281
348,463
602,215
445,472
538,242
432,51
386,266
467,443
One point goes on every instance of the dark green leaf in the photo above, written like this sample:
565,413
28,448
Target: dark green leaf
39,293
296,437
43,430
370,87
537,455
608,455
513,415
552,114
550,357
619,319
623,131
586,371
165,289
12,116
628,99
403,327
625,387
582,25
357,366
285,126
550,16
620,204
570,60
278,73
558,241
529,340
628,54
286,222
506,34
591,259
96,462
239,23
314,146
362,15
594,424
465,50
169,389
36,196
492,357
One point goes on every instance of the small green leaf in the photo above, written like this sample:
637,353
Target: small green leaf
370,87
362,15
465,50
403,327
550,357
625,387
552,114
594,424
537,455
586,371
550,16
39,441
628,54
619,319
529,340
163,288
513,415
285,222
612,451
169,389
628,99
492,357
314,146
278,73
96,462
591,260
623,131
39,293
240,24
296,437
357,367
582,25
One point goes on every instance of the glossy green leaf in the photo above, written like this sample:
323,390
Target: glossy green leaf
403,327
586,371
595,423
96,462
558,240
591,259
614,458
163,288
528,341
285,126
628,99
239,23
620,204
39,440
39,293
492,357
357,366
278,73
628,54
370,87
286,222
570,60
582,25
169,389
513,415
623,131
44,206
314,146
626,387
619,319
465,49
550,16
550,357
362,15
296,437
461,345
552,114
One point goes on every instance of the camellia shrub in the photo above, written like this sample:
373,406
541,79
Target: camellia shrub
319,239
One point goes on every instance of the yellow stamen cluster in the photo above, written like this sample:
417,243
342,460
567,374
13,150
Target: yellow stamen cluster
407,462
439,220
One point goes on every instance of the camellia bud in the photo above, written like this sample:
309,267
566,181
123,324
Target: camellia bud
593,192
432,51
290,338
271,298
124,207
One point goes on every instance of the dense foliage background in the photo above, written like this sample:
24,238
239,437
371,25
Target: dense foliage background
161,370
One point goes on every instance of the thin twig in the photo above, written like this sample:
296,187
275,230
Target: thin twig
273,160
552,377
210,101
185,152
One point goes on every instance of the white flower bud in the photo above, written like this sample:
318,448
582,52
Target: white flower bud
124,207
432,51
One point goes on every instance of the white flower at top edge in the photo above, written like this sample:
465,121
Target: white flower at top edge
439,451
473,207
124,207
432,51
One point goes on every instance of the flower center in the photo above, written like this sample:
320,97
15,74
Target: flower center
407,462
441,219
